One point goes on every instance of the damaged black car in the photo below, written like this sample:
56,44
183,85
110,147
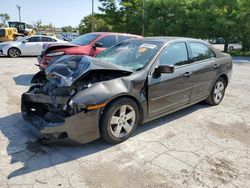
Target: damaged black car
79,98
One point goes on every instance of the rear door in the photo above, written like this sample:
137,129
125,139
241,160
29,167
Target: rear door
167,92
205,70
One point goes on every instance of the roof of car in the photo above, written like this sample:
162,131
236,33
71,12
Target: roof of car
110,33
167,39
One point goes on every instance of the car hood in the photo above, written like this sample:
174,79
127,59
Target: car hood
7,43
70,68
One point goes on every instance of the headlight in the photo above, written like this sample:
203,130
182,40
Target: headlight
55,54
3,45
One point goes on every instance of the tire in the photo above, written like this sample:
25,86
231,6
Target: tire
14,52
217,93
231,48
124,115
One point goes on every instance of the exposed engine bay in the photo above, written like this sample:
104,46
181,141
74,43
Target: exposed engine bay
52,89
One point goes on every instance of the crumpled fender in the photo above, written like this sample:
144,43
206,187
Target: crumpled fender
101,92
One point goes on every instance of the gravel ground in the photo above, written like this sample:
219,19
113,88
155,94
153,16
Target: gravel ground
200,146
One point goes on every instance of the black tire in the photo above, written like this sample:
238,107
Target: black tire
107,129
231,48
212,98
14,52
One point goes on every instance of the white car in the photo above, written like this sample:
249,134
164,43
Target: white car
27,46
231,46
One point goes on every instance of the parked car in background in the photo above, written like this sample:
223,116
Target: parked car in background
219,44
81,98
89,44
27,46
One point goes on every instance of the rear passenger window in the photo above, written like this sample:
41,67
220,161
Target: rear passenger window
48,39
200,51
121,38
108,41
176,54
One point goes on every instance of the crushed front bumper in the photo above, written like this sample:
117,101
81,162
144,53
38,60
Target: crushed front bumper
79,128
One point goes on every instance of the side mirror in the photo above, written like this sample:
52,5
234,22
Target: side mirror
164,69
24,41
97,45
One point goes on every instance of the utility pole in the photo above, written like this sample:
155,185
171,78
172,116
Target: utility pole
143,17
19,12
92,17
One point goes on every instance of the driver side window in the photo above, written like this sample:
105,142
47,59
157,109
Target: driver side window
176,54
108,41
34,39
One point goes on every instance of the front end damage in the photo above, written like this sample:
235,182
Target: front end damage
50,105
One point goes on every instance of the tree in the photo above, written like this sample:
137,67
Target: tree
99,24
122,15
244,24
4,18
67,28
206,19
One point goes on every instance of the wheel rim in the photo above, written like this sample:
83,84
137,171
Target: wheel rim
218,91
14,53
122,121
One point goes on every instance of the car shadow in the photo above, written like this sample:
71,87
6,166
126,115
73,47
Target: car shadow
23,79
25,148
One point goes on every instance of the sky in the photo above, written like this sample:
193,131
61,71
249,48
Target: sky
58,12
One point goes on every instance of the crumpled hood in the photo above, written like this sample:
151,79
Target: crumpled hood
69,68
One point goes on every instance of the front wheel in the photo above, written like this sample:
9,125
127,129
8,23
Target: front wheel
217,92
14,52
119,120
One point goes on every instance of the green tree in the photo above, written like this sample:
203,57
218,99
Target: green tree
99,24
122,15
244,24
67,28
4,18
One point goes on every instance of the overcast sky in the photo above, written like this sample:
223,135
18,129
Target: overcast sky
58,12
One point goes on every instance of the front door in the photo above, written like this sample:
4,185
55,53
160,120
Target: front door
167,92
32,46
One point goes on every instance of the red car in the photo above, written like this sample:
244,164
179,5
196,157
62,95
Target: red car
88,44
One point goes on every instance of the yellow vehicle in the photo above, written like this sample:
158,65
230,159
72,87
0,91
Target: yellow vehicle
21,28
14,30
8,34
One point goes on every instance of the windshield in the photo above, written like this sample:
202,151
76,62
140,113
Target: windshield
85,39
20,39
130,55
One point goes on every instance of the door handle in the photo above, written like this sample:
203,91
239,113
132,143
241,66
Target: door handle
187,74
216,65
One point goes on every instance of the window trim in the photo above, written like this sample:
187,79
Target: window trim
115,36
34,37
188,58
156,58
191,54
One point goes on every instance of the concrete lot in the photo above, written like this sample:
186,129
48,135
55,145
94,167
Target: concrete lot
200,146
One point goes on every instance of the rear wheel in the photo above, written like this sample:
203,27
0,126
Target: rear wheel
217,92
119,120
231,48
14,52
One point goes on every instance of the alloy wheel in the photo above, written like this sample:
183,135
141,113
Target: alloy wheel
14,52
219,90
122,121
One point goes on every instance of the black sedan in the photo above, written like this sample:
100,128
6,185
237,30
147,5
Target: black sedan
80,98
